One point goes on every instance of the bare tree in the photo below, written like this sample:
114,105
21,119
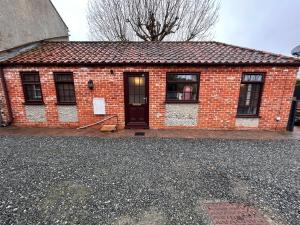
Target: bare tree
152,20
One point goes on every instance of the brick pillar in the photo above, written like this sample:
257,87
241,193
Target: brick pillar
4,112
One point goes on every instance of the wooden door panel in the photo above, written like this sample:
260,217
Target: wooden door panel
137,114
136,100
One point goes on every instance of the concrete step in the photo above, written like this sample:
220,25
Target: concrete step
108,128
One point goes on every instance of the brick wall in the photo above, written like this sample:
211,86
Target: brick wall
218,95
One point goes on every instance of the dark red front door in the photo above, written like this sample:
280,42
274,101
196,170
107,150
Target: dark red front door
136,100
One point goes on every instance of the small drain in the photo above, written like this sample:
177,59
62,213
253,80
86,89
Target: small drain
139,134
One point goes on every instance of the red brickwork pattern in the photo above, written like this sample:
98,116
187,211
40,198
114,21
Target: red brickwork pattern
218,95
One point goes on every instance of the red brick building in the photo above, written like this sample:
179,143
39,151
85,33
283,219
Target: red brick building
207,85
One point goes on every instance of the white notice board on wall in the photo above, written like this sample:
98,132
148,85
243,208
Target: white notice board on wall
99,106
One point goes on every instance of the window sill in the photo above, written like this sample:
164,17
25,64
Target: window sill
248,116
33,103
66,103
182,102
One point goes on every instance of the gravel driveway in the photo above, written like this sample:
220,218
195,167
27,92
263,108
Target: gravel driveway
138,181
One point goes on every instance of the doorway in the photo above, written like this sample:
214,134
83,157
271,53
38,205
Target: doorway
294,118
136,92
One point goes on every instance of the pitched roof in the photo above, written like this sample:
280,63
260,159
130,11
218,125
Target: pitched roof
104,53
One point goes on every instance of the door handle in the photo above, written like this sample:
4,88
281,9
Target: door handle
146,100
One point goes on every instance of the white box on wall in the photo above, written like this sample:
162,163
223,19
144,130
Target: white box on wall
99,106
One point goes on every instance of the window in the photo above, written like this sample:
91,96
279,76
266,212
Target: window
182,87
32,88
250,94
65,91
137,92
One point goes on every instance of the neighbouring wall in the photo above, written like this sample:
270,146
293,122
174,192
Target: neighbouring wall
27,21
218,97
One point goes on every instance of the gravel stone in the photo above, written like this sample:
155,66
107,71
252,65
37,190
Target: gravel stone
136,181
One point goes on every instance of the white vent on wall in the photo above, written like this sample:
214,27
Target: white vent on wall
99,106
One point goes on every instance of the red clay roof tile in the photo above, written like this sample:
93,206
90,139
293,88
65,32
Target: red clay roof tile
95,53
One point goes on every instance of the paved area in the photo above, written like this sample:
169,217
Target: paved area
297,130
161,133
224,213
140,181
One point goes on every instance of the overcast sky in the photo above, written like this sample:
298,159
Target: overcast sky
271,25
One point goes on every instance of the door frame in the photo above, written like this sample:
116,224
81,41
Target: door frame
126,99
293,111
1,121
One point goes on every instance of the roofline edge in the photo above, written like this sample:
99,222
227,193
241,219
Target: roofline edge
5,64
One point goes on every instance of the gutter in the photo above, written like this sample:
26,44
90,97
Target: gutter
118,64
7,99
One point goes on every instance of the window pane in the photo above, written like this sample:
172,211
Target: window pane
64,77
30,78
136,90
66,93
65,88
33,92
182,91
249,99
252,78
182,77
37,92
